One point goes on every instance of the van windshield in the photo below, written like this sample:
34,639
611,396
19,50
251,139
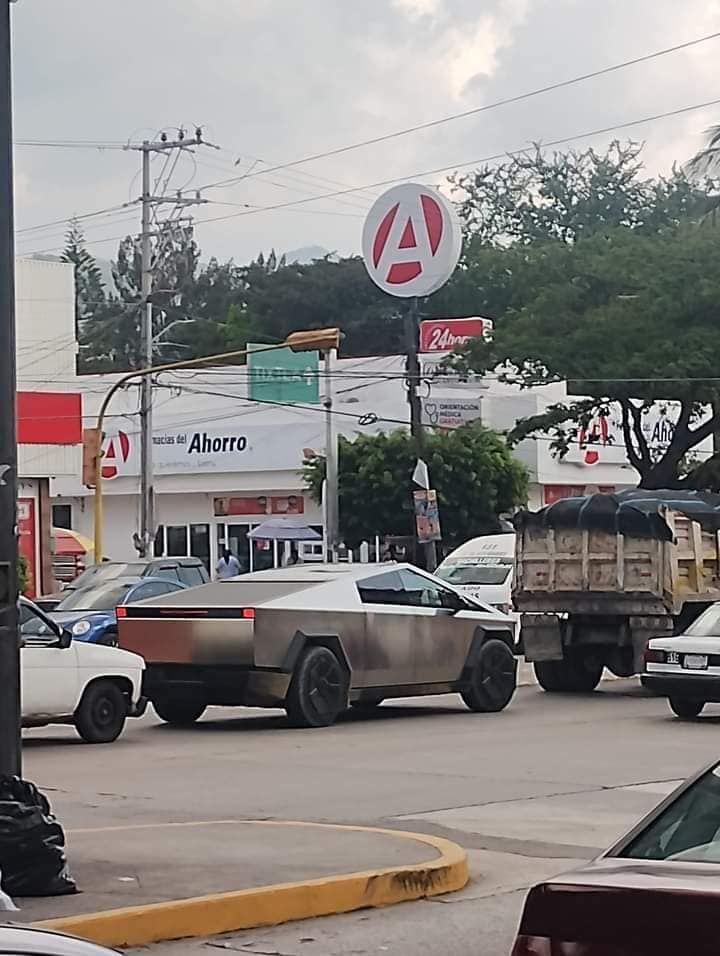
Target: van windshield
459,574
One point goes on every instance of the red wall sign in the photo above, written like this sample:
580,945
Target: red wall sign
49,418
444,335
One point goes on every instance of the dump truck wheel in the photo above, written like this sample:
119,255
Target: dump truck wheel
574,674
179,711
318,689
493,679
686,707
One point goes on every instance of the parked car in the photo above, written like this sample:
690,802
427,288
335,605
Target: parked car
657,891
686,668
317,638
26,941
188,571
69,682
90,614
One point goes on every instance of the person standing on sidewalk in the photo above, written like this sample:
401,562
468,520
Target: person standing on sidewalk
228,566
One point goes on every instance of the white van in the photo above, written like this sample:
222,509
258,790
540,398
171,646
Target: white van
482,568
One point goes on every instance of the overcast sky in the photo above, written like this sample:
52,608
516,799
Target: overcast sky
277,80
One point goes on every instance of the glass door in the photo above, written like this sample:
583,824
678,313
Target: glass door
235,537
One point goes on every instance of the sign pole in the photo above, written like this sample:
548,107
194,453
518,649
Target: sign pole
10,752
412,342
331,467
411,244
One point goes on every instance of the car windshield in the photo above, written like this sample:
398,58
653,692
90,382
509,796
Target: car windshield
110,571
707,625
105,597
460,574
688,829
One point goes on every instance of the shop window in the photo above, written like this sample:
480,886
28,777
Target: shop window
177,543
200,543
62,516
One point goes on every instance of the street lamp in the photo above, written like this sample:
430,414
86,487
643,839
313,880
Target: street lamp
308,341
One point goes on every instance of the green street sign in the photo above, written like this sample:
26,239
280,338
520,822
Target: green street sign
282,375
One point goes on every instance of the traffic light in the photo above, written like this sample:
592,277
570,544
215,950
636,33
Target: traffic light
92,452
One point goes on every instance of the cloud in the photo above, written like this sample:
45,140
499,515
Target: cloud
279,81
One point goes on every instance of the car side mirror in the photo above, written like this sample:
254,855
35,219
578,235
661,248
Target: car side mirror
64,640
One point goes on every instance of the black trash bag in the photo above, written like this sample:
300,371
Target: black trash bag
32,843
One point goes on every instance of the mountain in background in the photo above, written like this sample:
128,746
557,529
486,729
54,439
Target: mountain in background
308,254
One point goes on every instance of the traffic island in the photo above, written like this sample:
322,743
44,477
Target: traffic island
149,883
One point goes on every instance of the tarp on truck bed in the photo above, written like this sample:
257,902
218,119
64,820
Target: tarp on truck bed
634,512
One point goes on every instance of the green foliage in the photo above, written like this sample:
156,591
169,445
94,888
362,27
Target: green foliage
23,572
90,293
568,196
320,294
110,339
472,469
624,317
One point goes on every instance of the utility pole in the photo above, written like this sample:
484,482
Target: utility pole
147,488
10,753
412,339
149,201
332,534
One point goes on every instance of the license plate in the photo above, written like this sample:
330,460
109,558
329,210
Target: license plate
695,662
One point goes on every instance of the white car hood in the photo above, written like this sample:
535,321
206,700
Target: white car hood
108,658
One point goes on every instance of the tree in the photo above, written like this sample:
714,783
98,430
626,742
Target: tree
570,195
475,475
89,286
628,319
111,339
278,299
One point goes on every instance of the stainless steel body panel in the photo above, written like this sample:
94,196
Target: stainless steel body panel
276,628
441,645
203,641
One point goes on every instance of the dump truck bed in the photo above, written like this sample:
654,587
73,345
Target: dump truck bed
591,570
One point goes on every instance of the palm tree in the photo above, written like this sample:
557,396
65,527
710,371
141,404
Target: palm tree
706,162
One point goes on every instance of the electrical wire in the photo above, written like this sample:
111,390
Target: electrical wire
475,162
432,124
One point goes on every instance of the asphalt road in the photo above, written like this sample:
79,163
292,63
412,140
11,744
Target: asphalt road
549,781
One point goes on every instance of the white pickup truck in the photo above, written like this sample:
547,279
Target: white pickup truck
93,686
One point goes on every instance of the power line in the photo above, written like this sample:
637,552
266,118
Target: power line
121,207
479,109
431,172
474,162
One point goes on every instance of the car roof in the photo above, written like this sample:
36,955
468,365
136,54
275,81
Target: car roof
311,573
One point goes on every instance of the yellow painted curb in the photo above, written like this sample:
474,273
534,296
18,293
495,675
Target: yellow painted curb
279,903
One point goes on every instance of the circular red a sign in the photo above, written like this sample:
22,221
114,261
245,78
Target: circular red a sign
411,240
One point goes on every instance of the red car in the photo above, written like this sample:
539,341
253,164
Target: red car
655,893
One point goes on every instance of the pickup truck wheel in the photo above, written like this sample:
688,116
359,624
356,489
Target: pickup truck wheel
318,689
575,673
101,714
686,707
493,679
179,711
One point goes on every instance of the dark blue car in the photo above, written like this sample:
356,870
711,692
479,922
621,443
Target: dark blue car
89,613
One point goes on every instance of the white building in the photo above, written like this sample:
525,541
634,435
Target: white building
223,463
49,421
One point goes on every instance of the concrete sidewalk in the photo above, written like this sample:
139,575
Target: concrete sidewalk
143,883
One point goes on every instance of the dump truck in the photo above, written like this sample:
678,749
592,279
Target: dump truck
598,576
